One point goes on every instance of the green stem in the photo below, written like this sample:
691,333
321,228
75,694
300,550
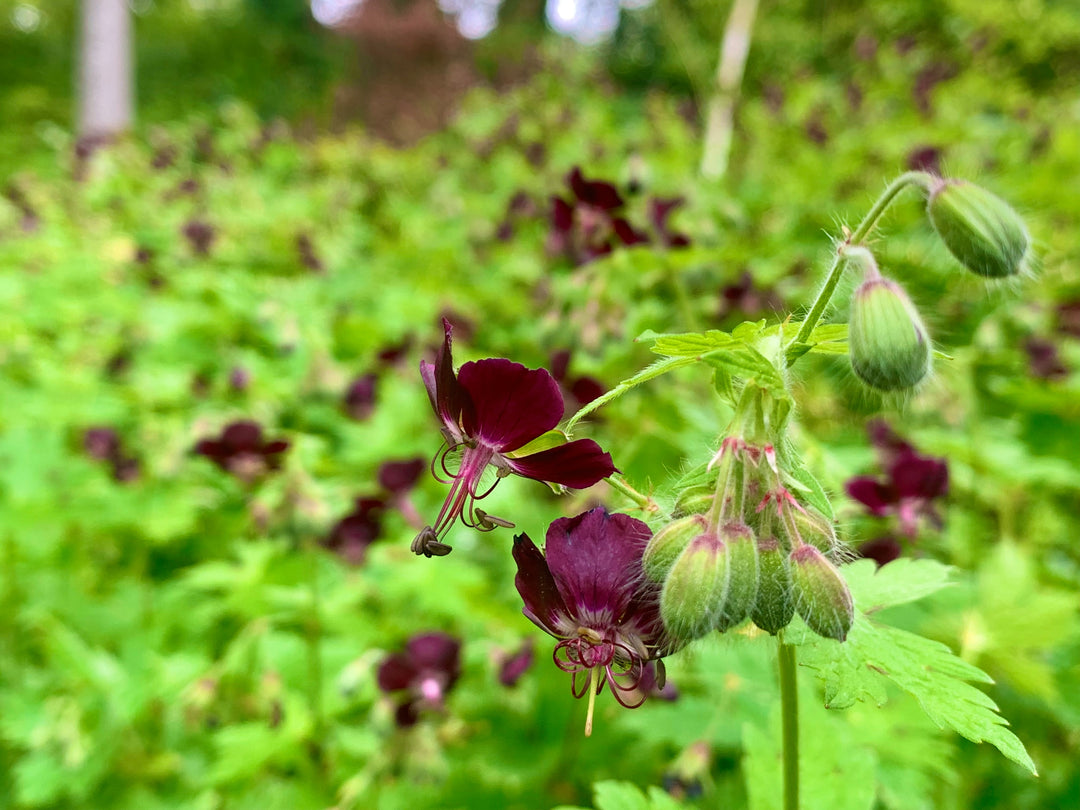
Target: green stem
646,503
920,179
789,708
305,543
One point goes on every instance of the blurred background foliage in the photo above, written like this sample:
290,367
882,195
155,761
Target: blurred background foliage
291,216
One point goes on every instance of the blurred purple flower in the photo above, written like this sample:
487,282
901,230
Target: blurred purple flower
589,225
577,391
200,235
242,451
747,299
881,550
911,484
490,410
1068,318
659,211
925,159
103,444
352,535
359,399
587,590
514,666
421,675
1043,359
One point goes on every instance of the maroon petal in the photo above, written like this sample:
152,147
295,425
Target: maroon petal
872,494
512,404
881,550
627,233
595,559
437,651
242,435
448,398
919,477
396,672
399,477
594,192
517,664
562,215
543,605
560,364
577,464
586,389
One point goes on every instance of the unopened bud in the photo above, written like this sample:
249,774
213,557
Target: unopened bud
695,584
821,595
980,229
774,606
742,583
887,340
668,543
694,500
814,528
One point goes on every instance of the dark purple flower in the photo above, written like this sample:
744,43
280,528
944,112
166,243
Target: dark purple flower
360,397
925,159
398,478
577,391
881,550
911,484
1043,359
242,451
659,211
490,410
747,299
352,535
927,79
588,591
305,248
514,666
421,675
200,235
103,444
589,225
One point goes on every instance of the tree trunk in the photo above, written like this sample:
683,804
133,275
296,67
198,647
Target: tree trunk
105,69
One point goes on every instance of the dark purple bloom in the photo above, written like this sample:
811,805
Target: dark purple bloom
200,235
514,666
103,444
360,397
490,410
911,484
925,159
421,675
352,535
577,391
747,299
589,224
1043,359
881,550
588,591
242,451
659,211
398,478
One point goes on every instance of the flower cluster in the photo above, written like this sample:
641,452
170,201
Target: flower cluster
242,451
492,411
420,676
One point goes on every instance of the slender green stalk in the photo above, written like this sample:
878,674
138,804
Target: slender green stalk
720,122
789,709
920,179
646,503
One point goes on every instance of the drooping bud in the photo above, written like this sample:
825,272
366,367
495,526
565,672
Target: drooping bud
694,500
814,528
887,340
980,229
821,596
668,543
742,583
774,607
695,584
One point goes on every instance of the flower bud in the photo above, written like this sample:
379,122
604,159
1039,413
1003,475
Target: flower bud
742,585
980,229
695,584
668,543
887,340
694,500
820,593
773,607
816,529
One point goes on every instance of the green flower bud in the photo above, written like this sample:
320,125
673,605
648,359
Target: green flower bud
821,595
694,585
887,340
773,607
668,543
694,500
980,229
816,529
742,586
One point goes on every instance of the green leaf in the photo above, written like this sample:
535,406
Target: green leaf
657,369
873,654
619,796
553,438
813,493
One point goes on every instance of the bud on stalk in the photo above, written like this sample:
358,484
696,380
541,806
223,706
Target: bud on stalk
668,543
887,341
979,228
773,608
820,593
742,583
696,582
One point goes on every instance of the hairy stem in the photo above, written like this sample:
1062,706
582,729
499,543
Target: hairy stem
646,503
789,709
920,179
